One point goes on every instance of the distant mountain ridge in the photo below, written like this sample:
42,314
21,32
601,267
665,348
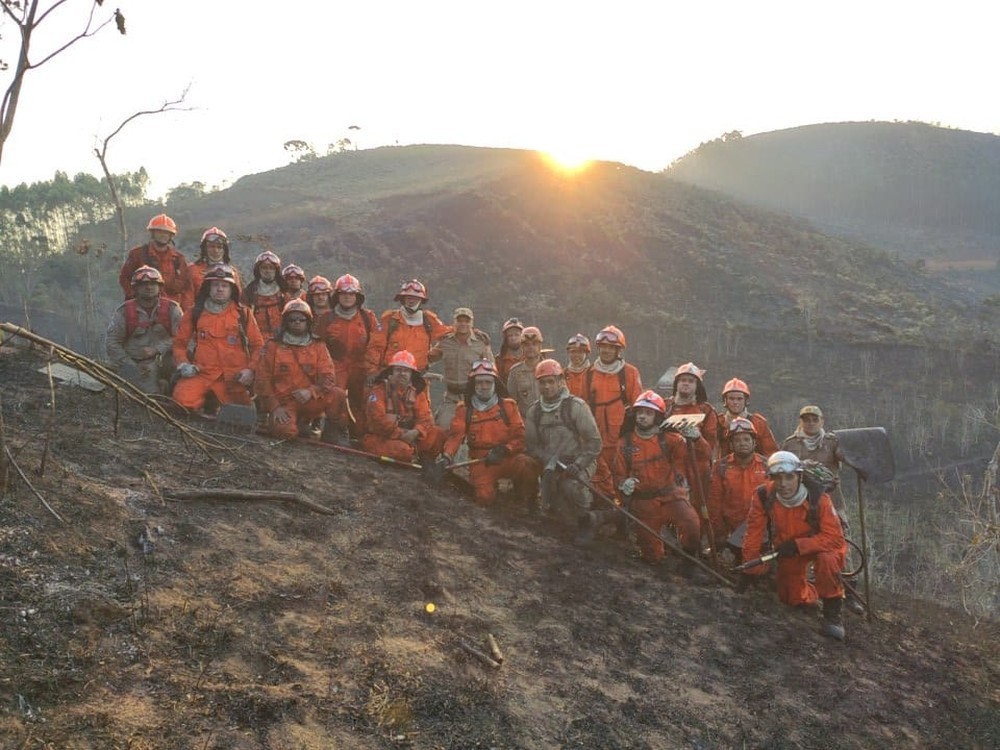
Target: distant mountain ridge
926,192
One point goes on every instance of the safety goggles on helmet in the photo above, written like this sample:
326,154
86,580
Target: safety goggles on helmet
293,270
651,400
319,285
146,273
579,340
784,462
347,284
268,257
610,335
213,235
482,367
741,425
412,288
221,272
512,323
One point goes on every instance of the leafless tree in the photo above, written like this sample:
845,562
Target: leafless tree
28,15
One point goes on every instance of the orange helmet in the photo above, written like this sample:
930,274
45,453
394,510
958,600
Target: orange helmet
741,424
403,359
299,306
651,400
611,335
293,270
548,368
146,273
483,367
163,223
221,272
531,333
512,323
412,288
578,340
736,386
319,284
267,257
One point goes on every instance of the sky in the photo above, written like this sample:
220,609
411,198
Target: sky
636,82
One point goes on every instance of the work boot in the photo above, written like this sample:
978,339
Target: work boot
690,570
832,624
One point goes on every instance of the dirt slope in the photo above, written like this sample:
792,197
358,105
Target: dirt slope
267,625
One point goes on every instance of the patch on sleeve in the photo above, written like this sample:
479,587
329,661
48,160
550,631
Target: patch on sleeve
373,397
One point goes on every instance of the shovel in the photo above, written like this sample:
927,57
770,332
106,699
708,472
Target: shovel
868,452
434,472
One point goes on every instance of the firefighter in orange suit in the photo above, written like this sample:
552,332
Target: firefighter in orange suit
491,425
646,469
510,348
161,254
295,380
735,398
734,478
803,528
400,424
265,295
347,329
216,344
213,251
409,328
578,354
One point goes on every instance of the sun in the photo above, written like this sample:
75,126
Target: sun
567,159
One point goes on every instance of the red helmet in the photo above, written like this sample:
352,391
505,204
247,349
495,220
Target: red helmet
163,223
483,367
403,359
221,272
319,284
651,400
548,368
412,288
267,257
146,273
741,424
347,284
578,340
531,333
512,323
736,386
293,270
214,234
611,335
689,368
299,306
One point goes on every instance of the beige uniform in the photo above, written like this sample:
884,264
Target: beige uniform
124,348
522,386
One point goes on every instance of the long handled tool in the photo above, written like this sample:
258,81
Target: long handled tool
638,522
366,454
435,473
692,463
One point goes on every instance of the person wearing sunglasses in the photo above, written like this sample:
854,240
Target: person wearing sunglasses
296,383
141,332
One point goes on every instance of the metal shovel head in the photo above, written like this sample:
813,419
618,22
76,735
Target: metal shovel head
237,418
130,372
867,451
679,421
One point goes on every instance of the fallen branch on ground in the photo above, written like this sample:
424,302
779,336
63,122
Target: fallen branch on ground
285,497
24,478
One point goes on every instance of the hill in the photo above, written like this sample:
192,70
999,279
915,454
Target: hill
925,192
143,622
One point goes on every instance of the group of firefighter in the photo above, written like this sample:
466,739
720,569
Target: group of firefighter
583,441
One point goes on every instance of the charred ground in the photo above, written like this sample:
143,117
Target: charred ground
265,625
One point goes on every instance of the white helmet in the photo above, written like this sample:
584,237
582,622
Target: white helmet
784,462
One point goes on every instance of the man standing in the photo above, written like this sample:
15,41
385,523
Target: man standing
213,250
295,279
216,344
408,328
458,351
803,528
522,385
510,348
734,478
810,442
735,399
265,295
563,438
295,380
578,353
161,254
142,331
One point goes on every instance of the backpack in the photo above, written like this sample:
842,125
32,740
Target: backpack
814,492
565,415
131,310
468,414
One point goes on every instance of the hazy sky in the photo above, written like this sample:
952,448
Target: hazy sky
637,82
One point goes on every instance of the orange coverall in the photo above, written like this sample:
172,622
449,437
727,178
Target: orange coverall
505,360
766,443
385,412
606,397
347,341
267,311
730,492
826,549
283,369
660,497
219,356
171,264
576,382
488,430
413,339
197,271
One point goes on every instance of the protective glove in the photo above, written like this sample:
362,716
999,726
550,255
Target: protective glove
627,487
787,549
443,461
187,370
573,471
690,432
245,377
496,455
